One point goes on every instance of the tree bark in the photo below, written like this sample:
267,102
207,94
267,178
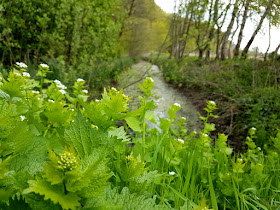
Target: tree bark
246,49
240,35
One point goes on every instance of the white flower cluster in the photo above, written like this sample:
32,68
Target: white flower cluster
181,140
85,91
50,100
61,86
112,88
253,128
80,80
151,79
67,161
18,74
97,100
25,74
21,65
43,65
62,91
22,117
172,173
212,102
176,104
35,92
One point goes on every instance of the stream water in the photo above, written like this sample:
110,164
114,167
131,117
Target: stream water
165,95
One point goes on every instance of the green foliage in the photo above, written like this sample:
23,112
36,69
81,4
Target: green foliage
247,88
125,200
82,159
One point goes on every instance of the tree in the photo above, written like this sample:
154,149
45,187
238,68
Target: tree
267,10
228,31
240,35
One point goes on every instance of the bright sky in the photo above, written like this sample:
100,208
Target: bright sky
261,40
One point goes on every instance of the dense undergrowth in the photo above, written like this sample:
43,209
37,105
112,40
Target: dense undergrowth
60,152
247,89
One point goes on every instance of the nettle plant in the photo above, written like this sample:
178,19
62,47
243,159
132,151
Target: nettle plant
58,151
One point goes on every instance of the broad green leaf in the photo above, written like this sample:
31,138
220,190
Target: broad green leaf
134,123
4,95
80,135
53,192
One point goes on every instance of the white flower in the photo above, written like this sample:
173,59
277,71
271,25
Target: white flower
22,117
171,173
253,128
50,100
212,102
183,118
151,79
72,110
25,74
259,148
85,91
35,92
176,104
63,87
112,88
18,74
57,82
181,140
73,120
80,80
38,98
205,134
44,65
21,64
62,91
97,100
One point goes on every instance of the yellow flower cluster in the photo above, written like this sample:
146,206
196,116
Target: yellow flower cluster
67,162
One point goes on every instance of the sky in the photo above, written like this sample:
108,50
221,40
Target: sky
261,41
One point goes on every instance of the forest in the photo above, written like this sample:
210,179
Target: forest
118,104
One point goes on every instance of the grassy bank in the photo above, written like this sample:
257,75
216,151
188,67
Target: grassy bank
246,91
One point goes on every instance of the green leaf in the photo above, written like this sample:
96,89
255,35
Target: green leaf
150,116
53,192
32,158
119,133
125,200
16,204
81,135
134,123
4,95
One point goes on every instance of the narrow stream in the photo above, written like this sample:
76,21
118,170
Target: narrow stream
165,95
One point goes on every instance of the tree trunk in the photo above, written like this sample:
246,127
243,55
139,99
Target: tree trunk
269,42
227,33
246,49
200,55
212,30
233,34
218,44
240,35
